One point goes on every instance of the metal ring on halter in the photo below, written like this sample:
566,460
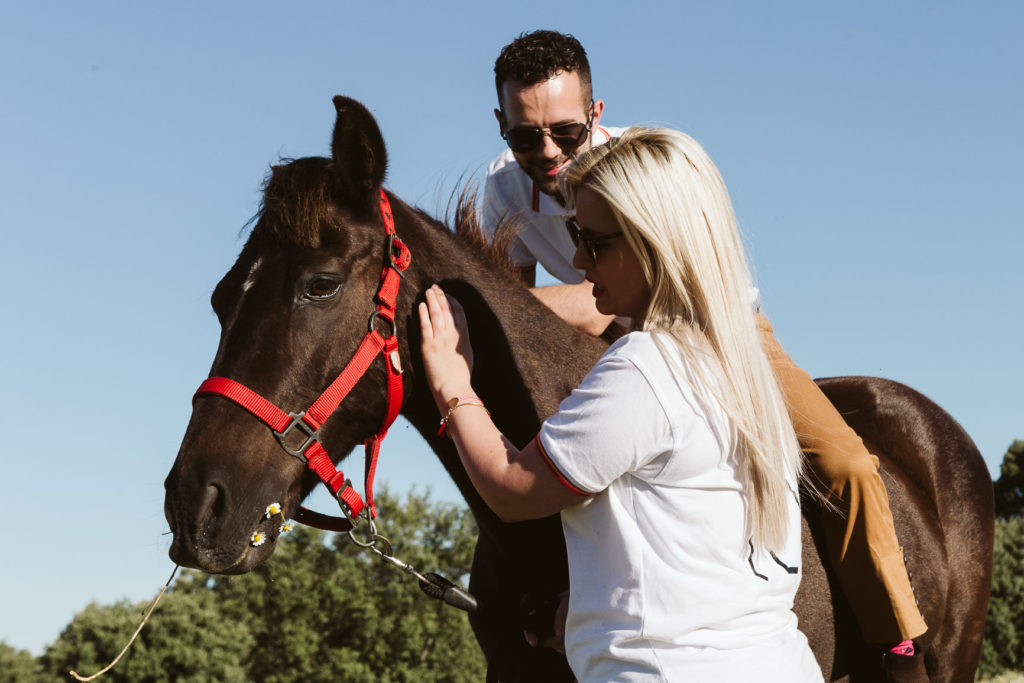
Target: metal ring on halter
372,541
377,316
371,531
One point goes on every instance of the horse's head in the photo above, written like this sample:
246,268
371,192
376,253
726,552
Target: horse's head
292,311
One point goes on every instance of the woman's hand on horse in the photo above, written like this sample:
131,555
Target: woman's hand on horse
447,354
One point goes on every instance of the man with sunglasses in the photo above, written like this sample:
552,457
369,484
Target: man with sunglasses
547,116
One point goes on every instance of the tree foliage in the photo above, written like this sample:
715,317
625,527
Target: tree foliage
187,636
17,666
1003,648
321,609
1009,488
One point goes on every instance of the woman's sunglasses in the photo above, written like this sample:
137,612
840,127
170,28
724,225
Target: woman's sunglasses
590,244
568,136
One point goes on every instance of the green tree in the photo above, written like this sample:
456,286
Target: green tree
1009,489
18,666
187,639
330,611
321,609
1003,648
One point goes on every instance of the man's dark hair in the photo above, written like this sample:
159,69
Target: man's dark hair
535,57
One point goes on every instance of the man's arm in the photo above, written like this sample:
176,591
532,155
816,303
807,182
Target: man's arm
575,304
572,303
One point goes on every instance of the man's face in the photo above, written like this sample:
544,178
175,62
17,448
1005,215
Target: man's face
558,100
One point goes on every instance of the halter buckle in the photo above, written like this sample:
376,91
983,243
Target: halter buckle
398,254
311,436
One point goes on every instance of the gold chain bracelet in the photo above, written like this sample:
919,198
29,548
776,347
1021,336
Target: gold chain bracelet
455,403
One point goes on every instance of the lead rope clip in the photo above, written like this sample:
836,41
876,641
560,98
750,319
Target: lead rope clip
434,585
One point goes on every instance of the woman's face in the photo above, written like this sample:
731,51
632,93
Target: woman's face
619,284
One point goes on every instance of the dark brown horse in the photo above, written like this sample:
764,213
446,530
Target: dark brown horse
294,307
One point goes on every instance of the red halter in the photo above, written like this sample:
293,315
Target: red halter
308,423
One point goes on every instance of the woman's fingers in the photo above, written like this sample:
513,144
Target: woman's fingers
442,304
456,311
425,327
447,354
443,318
440,313
439,294
432,308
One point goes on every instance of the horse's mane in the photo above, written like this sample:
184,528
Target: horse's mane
298,201
467,227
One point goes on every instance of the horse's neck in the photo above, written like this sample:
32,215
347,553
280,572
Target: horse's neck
526,359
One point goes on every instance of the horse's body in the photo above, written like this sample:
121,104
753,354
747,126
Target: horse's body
293,308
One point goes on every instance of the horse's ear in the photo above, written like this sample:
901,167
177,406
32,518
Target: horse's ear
360,158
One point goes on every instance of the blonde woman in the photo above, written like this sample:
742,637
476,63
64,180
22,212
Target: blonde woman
673,464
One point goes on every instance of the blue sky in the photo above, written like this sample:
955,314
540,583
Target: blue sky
872,150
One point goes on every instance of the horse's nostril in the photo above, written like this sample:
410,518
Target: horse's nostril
211,504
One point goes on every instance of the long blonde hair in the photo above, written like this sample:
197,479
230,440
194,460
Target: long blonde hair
674,210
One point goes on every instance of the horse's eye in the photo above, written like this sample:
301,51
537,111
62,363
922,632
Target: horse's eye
322,288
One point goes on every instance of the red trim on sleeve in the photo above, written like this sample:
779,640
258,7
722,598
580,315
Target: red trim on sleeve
554,469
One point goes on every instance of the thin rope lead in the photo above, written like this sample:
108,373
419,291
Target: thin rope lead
137,631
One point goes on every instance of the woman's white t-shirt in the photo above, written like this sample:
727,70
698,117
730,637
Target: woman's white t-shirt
664,583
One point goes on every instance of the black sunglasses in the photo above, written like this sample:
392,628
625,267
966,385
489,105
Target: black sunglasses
568,136
590,244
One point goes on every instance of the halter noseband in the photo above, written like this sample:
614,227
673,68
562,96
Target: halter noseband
307,424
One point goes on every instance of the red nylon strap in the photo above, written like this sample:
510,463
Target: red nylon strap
318,461
353,502
387,295
372,445
271,415
385,213
372,344
391,357
371,451
390,278
334,479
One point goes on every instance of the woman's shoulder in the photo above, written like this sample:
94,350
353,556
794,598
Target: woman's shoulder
676,368
634,353
652,352
631,358
636,344
659,361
